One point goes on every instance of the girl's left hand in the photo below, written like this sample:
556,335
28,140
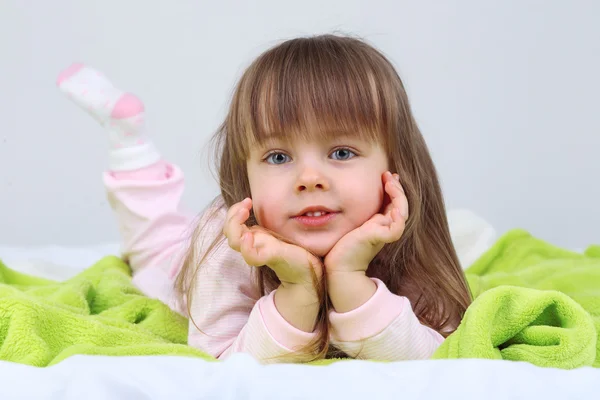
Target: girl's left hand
355,250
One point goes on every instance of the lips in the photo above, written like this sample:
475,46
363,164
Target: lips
315,211
315,217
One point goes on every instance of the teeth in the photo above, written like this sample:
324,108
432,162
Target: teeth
315,214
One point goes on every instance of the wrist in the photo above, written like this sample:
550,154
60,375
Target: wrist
302,292
298,304
349,290
338,280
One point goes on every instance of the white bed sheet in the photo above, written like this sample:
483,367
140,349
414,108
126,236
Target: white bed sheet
240,377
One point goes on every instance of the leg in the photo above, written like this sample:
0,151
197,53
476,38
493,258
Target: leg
155,232
143,190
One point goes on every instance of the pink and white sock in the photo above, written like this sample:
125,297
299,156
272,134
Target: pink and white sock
120,112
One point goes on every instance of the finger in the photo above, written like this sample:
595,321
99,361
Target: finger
387,201
234,226
388,205
399,200
398,224
381,219
395,183
236,212
392,231
397,180
394,180
389,177
374,228
248,250
259,248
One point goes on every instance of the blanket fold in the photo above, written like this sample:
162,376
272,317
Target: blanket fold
98,311
533,302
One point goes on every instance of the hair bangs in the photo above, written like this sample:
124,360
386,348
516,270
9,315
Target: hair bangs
311,90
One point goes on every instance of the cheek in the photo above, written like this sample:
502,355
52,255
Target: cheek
266,209
366,199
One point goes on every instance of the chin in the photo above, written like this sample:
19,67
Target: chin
319,250
318,244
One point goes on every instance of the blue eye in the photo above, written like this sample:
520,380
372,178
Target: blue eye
343,154
277,158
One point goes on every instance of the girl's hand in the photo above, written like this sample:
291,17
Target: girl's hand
355,250
291,263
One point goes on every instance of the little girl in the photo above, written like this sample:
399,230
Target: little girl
320,161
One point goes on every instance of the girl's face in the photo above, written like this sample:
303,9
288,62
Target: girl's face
314,192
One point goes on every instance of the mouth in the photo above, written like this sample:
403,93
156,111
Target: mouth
314,211
315,216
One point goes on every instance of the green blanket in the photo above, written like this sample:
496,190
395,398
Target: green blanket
534,302
96,312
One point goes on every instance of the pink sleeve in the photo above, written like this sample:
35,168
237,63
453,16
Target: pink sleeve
384,328
226,305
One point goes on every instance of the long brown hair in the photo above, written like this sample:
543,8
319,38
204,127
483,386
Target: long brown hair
324,84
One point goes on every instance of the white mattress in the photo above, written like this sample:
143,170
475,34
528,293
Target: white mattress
240,377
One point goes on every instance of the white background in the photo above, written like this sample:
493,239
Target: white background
506,93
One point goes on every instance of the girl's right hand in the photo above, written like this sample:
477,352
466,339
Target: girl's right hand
292,264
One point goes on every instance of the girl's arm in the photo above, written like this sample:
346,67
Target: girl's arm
384,327
227,306
368,321
226,303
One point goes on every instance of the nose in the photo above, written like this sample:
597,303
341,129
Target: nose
311,179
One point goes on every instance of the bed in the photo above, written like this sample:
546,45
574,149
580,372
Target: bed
241,377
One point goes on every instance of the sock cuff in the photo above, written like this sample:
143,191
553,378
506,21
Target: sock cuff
134,157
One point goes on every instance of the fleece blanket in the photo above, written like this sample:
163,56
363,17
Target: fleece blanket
534,302
98,311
